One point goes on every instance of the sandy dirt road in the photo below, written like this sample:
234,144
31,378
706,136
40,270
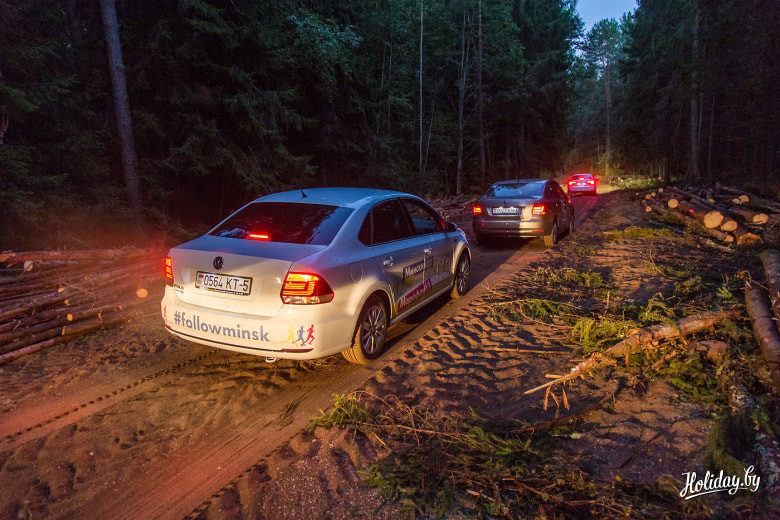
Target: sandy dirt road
134,423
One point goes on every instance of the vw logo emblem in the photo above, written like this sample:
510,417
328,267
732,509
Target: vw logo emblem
218,263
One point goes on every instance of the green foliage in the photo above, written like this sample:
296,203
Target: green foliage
441,467
597,335
638,233
347,411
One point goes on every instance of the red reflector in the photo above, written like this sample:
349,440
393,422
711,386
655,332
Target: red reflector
305,288
258,236
477,210
168,270
538,209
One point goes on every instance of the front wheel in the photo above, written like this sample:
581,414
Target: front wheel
462,276
370,333
552,239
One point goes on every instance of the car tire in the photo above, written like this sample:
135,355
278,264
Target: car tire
462,276
370,332
552,238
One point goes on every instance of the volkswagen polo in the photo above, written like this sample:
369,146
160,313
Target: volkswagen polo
306,274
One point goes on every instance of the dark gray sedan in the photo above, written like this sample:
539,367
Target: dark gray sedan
528,208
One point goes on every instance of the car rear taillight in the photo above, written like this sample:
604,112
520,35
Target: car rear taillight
168,271
592,181
571,183
305,289
539,209
477,210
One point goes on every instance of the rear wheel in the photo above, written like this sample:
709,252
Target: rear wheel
370,333
552,239
462,276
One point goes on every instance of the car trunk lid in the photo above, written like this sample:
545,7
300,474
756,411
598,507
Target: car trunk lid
235,275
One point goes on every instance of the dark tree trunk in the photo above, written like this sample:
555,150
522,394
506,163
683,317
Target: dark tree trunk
121,105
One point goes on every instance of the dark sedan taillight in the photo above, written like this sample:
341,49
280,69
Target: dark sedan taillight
477,209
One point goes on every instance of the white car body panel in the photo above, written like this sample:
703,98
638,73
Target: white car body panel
260,323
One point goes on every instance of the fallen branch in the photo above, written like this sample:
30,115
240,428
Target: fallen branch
635,341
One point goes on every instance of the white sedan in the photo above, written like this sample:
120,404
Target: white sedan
309,273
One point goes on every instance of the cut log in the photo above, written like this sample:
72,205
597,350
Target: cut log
746,238
751,217
720,235
673,203
687,195
729,225
771,260
746,197
764,330
11,257
709,218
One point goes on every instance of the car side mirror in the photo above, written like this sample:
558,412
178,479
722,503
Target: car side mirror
450,227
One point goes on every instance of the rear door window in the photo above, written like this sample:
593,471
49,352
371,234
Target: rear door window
290,222
424,219
385,222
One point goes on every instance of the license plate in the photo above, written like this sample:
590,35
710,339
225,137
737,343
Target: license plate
223,283
506,211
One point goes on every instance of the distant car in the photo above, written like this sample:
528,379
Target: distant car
523,208
305,274
581,183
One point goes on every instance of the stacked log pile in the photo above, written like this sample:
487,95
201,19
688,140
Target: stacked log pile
49,297
730,215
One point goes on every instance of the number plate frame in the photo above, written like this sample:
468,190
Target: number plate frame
223,283
511,211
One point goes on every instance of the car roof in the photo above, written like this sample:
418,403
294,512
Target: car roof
525,181
582,175
345,197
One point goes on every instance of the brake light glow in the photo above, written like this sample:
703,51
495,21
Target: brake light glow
539,209
572,183
305,289
477,210
592,181
258,236
168,271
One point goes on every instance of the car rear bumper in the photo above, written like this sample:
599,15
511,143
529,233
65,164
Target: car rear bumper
297,332
581,189
512,228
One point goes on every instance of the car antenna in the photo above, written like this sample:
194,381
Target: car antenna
303,194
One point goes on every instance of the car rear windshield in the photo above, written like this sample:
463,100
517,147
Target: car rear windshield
289,222
516,189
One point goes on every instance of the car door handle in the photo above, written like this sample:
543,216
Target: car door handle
428,251
389,261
